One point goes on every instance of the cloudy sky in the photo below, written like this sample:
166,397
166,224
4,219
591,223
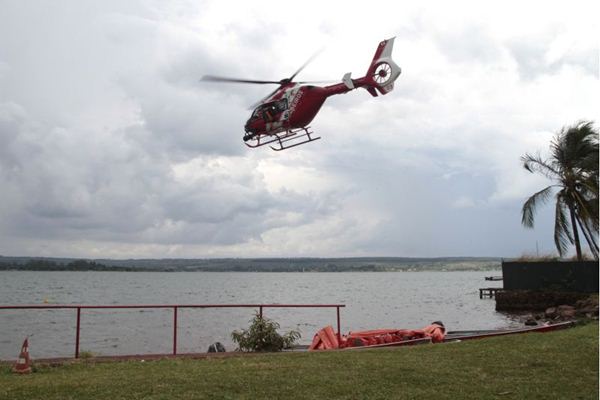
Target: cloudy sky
111,147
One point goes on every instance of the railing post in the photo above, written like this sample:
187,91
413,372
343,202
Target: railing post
339,332
175,330
260,312
77,332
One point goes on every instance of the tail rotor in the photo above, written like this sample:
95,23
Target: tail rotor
383,71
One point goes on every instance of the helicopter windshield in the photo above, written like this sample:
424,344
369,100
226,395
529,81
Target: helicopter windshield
273,106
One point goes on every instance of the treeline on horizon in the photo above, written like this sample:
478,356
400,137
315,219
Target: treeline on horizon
47,265
363,264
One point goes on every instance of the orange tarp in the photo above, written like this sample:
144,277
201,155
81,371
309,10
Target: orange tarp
326,338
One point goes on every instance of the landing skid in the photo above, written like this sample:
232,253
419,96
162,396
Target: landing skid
284,140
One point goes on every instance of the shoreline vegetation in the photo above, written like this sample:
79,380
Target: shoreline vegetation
554,365
356,264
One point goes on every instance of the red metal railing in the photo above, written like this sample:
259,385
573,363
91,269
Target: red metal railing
175,308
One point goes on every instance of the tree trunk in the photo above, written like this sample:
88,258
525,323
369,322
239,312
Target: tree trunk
575,233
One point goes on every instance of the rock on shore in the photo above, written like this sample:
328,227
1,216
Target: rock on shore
585,307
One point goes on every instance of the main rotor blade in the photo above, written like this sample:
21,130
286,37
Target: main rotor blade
329,81
212,78
310,59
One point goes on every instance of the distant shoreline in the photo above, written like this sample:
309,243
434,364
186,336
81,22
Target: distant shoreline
356,264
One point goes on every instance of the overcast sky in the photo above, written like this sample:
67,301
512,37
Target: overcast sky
111,147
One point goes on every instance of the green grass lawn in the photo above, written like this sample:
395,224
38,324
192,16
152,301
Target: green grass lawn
557,365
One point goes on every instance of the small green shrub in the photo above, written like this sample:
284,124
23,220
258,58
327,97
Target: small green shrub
84,355
262,336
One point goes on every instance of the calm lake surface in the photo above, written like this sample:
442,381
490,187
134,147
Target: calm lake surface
373,300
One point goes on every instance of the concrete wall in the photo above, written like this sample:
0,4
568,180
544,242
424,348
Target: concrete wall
566,276
536,300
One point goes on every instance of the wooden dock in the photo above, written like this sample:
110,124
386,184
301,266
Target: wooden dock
488,292
493,278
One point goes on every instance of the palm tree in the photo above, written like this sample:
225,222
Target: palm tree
573,169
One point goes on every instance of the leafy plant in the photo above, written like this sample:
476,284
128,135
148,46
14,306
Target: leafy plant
573,169
84,355
262,336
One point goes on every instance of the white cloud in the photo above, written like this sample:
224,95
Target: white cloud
463,202
109,145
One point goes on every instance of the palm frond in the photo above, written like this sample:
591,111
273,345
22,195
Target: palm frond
578,145
590,237
587,209
562,232
593,206
535,163
530,206
589,186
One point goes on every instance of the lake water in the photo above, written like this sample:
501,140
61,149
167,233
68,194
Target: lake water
373,300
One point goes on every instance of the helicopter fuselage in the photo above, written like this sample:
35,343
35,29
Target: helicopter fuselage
292,107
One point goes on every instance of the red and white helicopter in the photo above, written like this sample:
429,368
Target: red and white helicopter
281,118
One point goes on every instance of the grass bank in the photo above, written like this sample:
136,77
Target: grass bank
557,365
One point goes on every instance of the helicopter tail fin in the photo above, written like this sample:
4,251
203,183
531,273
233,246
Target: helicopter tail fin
383,71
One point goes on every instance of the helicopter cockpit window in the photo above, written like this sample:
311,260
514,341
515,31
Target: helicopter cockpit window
281,105
269,111
273,107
